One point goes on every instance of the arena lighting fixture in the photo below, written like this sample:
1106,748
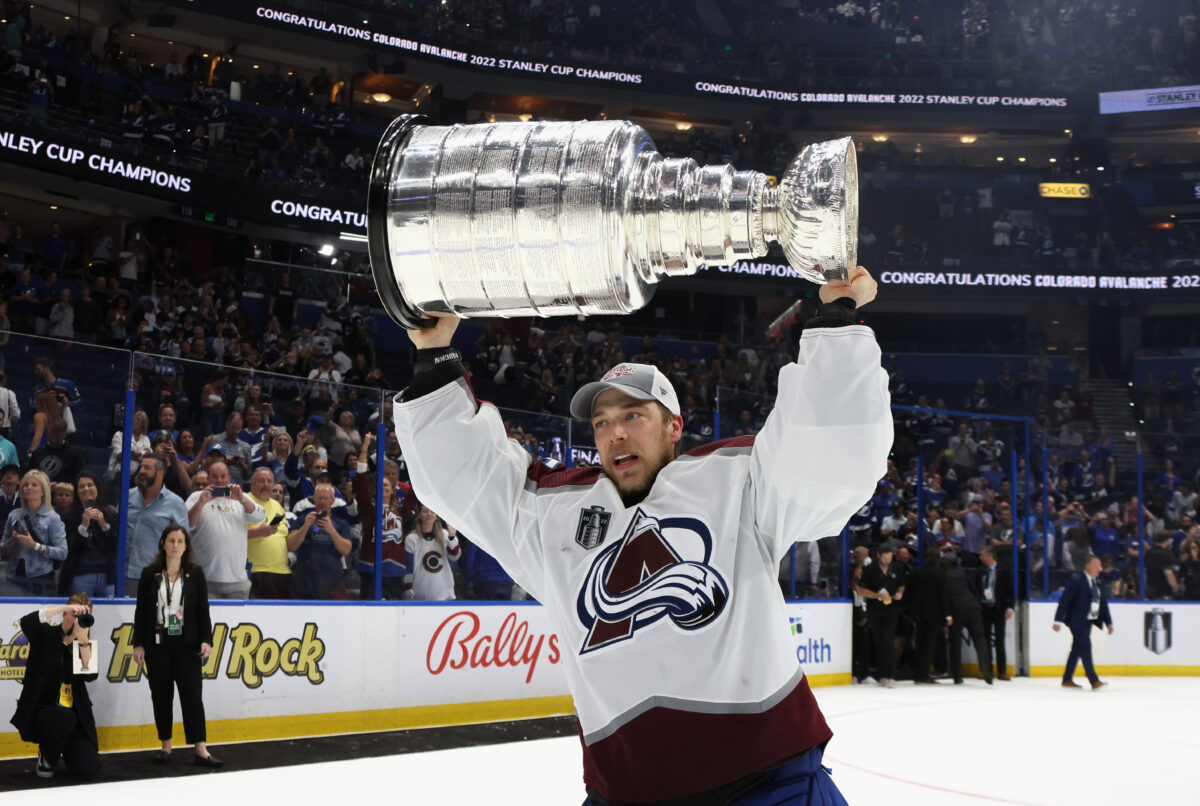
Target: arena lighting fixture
1067,132
967,139
55,207
255,67
524,117
380,97
879,138
1054,159
326,249
1099,167
683,126
918,149
999,159
1020,159
352,236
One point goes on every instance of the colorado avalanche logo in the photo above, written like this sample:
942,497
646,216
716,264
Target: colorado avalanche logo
644,577
432,562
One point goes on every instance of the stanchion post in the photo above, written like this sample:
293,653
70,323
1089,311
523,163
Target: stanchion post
126,455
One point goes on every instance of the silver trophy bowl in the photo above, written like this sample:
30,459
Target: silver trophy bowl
567,218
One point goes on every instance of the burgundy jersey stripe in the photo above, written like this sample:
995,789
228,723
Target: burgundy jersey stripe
546,477
731,442
667,753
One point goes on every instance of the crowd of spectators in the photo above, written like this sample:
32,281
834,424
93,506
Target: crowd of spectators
1050,45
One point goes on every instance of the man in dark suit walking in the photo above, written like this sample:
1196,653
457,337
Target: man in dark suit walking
966,614
995,587
1082,605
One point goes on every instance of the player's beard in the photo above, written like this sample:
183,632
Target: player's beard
635,491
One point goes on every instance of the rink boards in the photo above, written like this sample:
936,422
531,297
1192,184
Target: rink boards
1149,638
307,669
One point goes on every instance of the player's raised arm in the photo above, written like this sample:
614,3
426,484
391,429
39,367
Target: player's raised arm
825,445
460,460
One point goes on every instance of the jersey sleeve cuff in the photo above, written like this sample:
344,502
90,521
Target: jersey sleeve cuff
433,369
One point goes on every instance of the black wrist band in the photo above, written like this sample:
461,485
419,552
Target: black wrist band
839,313
432,357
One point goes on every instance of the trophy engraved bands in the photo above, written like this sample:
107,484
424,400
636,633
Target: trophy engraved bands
566,218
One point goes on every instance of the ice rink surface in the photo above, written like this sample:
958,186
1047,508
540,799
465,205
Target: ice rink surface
1028,742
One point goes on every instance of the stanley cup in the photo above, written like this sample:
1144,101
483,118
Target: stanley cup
551,219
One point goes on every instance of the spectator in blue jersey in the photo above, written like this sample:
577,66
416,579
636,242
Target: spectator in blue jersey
64,390
252,433
322,533
862,525
1104,536
303,464
487,580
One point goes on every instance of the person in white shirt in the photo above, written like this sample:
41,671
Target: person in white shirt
220,516
430,549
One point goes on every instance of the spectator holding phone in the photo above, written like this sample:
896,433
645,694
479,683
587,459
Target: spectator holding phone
320,530
219,517
91,526
270,574
54,710
34,539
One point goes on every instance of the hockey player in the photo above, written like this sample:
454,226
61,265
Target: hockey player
658,570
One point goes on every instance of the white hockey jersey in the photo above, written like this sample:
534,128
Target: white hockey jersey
676,642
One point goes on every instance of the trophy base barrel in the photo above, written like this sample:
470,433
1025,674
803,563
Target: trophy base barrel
405,314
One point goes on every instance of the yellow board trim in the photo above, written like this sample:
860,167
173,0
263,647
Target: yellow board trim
815,680
264,728
1120,671
253,729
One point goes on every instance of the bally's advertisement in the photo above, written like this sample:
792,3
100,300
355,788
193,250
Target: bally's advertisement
280,671
1148,638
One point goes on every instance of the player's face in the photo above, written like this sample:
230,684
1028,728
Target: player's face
633,440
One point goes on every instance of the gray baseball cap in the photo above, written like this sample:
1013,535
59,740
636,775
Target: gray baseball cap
641,381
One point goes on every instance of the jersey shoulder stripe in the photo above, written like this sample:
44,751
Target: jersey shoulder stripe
545,478
712,447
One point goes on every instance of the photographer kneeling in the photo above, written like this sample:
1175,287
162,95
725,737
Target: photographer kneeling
54,710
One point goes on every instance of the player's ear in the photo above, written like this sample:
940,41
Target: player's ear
675,428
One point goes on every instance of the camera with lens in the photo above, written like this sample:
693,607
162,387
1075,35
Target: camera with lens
86,620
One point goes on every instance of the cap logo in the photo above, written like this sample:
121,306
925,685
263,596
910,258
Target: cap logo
618,371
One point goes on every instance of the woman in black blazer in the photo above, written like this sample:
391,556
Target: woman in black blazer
54,710
172,635
91,524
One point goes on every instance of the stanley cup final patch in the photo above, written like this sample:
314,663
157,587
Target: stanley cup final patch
593,526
